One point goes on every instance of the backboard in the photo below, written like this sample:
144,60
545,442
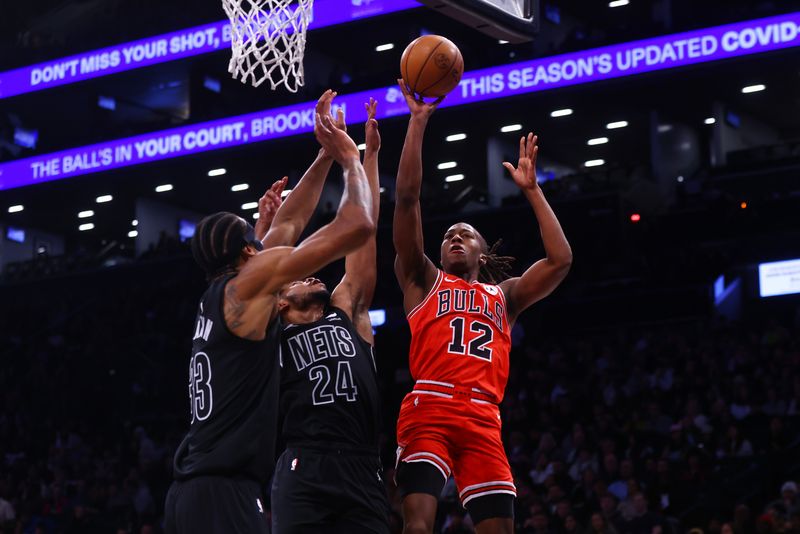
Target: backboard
515,21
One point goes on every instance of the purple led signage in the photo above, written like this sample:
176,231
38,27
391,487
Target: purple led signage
172,46
700,46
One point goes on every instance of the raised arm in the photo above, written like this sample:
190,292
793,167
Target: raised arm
354,293
546,274
295,212
249,297
415,272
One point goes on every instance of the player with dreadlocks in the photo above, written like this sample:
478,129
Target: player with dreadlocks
461,318
227,457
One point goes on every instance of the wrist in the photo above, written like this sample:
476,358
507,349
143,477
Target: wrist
323,155
350,161
533,192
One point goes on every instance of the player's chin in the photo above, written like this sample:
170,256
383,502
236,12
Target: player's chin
320,294
455,260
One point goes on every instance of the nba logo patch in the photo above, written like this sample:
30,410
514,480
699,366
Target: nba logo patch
294,464
492,290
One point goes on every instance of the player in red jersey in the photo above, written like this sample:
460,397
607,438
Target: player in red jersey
461,318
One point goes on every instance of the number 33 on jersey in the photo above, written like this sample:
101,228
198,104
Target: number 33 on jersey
460,335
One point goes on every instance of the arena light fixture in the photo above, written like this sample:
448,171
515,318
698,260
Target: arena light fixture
87,226
561,113
163,188
362,146
618,3
217,172
133,233
16,208
384,47
511,128
249,205
103,199
85,214
616,125
597,141
135,222
285,193
454,178
710,120
635,217
447,165
455,137
754,88
664,128
594,163
240,187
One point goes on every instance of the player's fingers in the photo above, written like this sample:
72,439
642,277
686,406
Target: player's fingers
323,101
320,129
509,166
522,147
438,101
340,117
403,87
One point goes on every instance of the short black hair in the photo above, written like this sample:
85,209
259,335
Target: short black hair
218,240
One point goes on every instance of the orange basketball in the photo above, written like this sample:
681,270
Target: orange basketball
431,66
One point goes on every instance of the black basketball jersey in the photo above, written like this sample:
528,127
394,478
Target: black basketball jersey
234,386
329,389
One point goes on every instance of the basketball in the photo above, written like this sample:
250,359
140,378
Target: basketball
432,66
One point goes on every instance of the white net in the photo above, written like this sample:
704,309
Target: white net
268,38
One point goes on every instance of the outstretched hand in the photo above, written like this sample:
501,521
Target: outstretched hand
524,174
268,206
323,108
373,140
333,139
417,106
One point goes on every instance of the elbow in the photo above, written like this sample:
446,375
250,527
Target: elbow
563,261
358,228
406,197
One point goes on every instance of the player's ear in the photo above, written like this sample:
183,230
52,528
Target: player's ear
282,304
482,260
248,251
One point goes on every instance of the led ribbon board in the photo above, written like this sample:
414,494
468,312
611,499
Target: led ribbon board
172,46
779,278
701,46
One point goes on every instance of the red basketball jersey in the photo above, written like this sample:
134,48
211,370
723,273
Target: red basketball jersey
460,335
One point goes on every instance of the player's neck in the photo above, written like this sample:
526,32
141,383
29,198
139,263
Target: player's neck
308,315
467,276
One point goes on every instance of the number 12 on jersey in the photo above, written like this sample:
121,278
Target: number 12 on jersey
477,346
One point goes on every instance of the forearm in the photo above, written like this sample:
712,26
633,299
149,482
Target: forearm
373,177
299,206
555,242
409,173
356,203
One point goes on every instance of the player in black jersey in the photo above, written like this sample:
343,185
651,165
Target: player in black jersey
227,457
329,477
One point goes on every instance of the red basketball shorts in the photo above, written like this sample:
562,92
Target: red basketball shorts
459,434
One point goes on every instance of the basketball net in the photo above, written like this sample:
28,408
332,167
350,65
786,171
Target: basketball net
268,39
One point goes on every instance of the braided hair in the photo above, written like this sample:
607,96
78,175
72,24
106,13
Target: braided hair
497,268
218,240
